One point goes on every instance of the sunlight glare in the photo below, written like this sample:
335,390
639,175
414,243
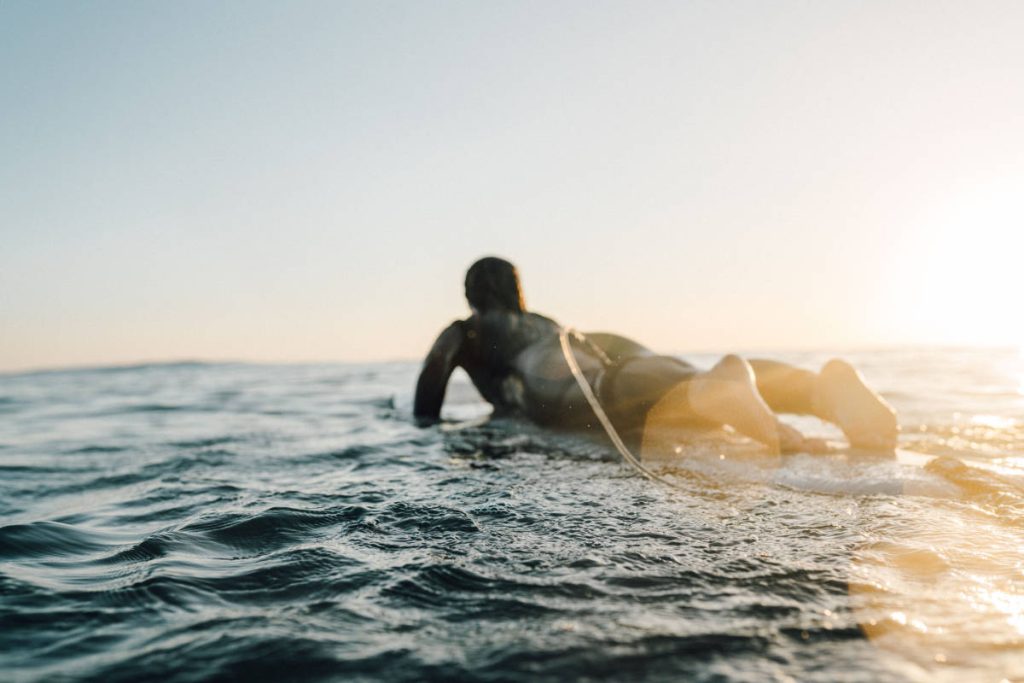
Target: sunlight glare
969,261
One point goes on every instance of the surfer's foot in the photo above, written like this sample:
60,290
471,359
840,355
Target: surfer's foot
727,394
842,397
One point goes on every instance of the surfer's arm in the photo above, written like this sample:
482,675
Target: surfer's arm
437,368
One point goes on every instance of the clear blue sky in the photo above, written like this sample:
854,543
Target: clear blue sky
309,180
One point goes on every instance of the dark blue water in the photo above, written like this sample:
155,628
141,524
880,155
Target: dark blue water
193,522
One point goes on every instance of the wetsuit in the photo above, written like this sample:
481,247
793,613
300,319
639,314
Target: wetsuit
516,363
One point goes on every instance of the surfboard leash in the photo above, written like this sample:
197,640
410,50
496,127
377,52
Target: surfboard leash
595,404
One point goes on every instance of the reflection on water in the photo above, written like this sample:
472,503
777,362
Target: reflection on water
267,522
948,597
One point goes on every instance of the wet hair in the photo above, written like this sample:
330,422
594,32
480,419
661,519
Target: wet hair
493,283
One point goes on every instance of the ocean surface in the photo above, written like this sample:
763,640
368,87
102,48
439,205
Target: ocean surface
191,522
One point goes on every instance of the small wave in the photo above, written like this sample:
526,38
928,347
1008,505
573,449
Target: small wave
679,579
117,369
348,453
978,483
427,518
156,471
652,657
49,539
96,448
245,649
150,408
153,594
203,443
272,528
147,550
37,469
295,576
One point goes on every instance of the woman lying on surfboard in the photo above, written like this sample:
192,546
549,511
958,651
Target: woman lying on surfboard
515,360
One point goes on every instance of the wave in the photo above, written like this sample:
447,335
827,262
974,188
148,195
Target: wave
49,539
201,537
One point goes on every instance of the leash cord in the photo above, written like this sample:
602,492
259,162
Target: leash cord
595,404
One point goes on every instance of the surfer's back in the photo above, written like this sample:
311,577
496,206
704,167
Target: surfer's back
491,347
486,345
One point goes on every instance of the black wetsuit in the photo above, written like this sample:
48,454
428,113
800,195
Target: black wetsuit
516,363
488,347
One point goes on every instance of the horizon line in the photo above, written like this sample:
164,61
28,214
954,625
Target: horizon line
186,361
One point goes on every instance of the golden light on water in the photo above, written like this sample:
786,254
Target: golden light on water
993,421
938,584
946,593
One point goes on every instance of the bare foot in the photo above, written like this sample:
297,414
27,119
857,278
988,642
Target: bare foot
842,397
727,394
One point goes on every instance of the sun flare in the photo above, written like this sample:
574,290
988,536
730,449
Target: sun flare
969,268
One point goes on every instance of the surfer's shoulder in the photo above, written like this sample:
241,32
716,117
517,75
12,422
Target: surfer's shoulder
543,320
451,339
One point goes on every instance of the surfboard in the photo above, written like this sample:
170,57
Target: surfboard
721,454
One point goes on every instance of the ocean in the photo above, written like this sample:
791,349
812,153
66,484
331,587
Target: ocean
192,522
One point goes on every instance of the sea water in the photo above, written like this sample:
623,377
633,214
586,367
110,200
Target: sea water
189,522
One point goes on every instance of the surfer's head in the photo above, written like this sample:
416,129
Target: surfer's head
493,284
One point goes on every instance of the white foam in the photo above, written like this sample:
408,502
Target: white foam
829,474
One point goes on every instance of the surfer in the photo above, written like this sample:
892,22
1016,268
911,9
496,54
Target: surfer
514,359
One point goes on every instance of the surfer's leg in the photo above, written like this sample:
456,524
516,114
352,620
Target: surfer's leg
842,397
664,391
785,388
837,394
635,385
727,394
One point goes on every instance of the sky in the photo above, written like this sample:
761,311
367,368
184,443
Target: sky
303,181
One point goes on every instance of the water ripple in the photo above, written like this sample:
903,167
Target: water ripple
207,522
